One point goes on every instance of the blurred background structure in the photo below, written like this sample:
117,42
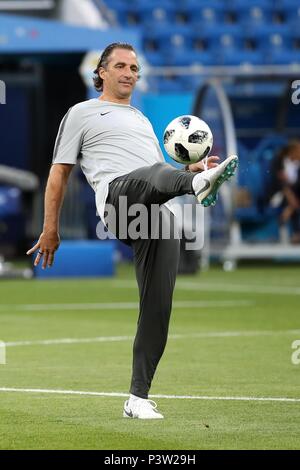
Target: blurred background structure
236,64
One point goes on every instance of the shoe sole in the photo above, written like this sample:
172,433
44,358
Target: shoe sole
228,172
126,415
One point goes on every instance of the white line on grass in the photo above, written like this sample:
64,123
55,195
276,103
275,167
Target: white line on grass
239,288
110,339
221,287
176,397
125,305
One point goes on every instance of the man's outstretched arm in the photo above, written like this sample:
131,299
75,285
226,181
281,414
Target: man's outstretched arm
49,239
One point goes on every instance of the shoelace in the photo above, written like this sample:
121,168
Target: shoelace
148,403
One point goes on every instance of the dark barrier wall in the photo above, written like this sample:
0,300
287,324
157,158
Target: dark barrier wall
15,128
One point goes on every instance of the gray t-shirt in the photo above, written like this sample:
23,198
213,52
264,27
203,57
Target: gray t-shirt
110,139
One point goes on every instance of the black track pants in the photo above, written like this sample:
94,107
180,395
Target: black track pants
156,261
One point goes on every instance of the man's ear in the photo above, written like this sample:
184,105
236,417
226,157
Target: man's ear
101,72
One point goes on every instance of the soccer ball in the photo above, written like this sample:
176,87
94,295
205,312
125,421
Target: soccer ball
188,139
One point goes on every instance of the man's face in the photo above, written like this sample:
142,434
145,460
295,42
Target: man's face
121,73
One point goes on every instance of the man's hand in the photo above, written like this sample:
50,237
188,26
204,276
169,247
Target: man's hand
47,245
212,162
54,195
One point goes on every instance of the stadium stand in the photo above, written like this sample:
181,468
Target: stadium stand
181,44
215,32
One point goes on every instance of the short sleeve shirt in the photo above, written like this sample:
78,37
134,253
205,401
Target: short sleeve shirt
109,139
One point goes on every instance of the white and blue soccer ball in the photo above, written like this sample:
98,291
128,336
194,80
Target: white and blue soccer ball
188,139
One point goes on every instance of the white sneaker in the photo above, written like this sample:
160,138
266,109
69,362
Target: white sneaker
207,183
141,408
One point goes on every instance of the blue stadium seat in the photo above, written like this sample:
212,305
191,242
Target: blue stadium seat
287,4
264,154
136,3
12,219
125,14
10,201
135,12
254,15
186,57
191,82
214,32
154,3
155,40
158,16
255,175
241,4
223,28
197,5
278,49
274,42
292,17
215,40
284,57
155,58
263,30
166,42
204,15
241,57
169,85
248,175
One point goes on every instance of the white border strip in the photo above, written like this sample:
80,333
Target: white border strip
170,397
111,339
28,5
124,305
219,287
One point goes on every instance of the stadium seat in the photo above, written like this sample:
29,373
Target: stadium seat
186,57
214,32
155,58
168,85
125,15
207,16
246,201
254,177
221,29
274,41
283,56
272,44
154,3
254,16
241,4
264,154
294,21
219,38
191,82
263,29
278,49
241,57
196,5
287,4
256,89
12,220
157,17
166,42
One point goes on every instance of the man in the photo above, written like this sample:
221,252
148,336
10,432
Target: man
285,186
120,156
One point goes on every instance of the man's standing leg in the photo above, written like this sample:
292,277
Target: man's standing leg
156,264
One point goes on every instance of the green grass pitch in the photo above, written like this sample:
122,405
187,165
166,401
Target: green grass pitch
231,336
